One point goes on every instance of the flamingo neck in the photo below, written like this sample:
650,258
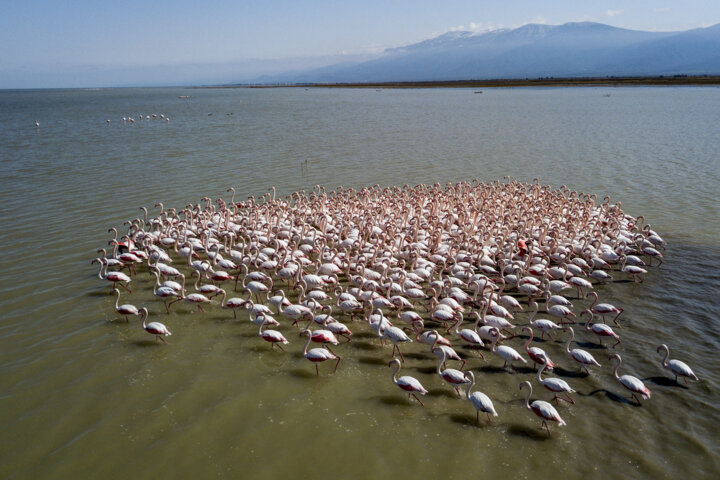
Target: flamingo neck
117,299
541,370
394,375
307,343
667,355
470,385
527,397
595,300
617,367
570,339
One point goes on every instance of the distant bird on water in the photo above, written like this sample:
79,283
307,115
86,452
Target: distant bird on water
37,124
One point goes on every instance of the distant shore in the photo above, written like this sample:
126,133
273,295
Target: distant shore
527,82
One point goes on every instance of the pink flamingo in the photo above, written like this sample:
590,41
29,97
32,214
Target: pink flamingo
542,409
126,309
556,385
599,329
317,355
537,355
272,336
154,328
407,383
603,308
450,375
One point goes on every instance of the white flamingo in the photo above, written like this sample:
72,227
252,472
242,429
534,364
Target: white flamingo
480,401
634,384
677,367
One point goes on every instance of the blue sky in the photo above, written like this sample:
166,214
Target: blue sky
93,43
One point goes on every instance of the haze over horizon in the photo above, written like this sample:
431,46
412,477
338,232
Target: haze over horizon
82,44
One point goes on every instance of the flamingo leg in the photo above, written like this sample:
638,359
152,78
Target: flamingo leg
616,343
570,398
280,347
462,365
317,372
336,365
477,417
616,316
489,418
544,424
416,398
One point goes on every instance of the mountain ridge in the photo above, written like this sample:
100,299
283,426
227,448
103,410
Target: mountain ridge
532,51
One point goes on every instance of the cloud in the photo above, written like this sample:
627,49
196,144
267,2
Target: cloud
613,13
480,27
661,10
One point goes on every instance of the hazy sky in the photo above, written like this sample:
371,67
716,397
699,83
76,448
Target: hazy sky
52,43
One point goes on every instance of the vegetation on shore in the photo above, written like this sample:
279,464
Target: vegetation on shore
518,82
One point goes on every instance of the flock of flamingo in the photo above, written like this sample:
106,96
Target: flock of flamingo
444,266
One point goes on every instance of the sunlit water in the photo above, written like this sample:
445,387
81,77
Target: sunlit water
86,394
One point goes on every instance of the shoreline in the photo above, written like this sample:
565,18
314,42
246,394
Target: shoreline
673,80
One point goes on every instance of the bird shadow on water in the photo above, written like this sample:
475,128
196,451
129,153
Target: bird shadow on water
613,396
372,360
491,369
362,346
300,373
467,420
450,393
394,400
561,372
591,345
147,343
536,434
665,382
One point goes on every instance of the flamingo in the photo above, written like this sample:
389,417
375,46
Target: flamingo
542,409
272,336
634,384
508,354
580,356
537,355
154,328
164,291
126,309
599,329
324,336
480,401
439,350
114,277
394,334
196,298
677,367
470,336
555,385
450,375
407,383
542,324
317,355
603,308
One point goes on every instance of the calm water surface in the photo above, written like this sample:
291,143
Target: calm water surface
85,395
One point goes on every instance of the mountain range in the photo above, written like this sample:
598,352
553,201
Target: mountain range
532,51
